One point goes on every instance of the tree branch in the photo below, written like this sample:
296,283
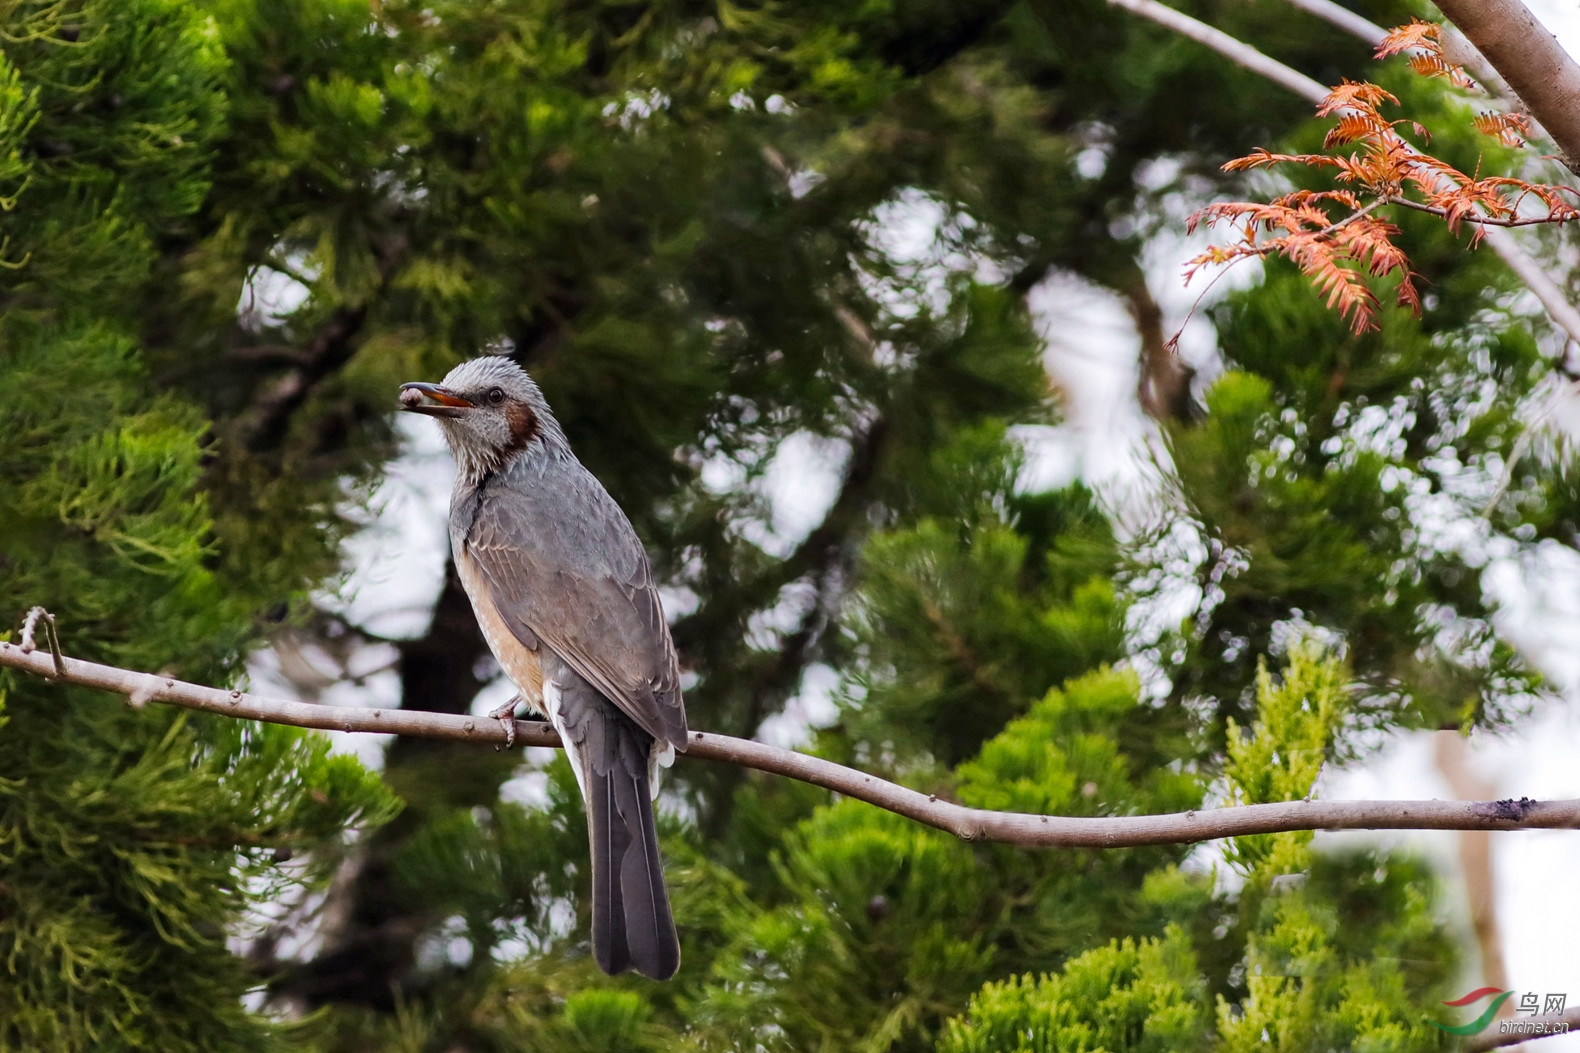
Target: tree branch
1240,53
1457,49
1476,218
970,824
1532,273
1490,1039
1163,383
1541,73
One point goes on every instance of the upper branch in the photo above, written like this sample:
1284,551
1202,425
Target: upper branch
971,824
1531,60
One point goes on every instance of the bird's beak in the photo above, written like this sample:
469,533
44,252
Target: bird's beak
433,400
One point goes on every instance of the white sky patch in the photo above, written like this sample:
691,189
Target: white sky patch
1091,352
723,474
395,563
494,694
394,573
767,628
1539,597
1562,17
921,237
530,789
796,488
905,228
268,296
1184,306
812,706
801,483
678,601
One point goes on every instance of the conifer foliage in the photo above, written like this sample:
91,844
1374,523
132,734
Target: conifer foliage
134,845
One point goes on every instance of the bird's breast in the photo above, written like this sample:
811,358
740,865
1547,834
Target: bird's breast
519,661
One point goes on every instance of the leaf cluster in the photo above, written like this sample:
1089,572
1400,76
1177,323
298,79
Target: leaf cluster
1333,235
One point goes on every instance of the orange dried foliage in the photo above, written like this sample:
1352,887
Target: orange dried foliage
1334,236
1424,41
1510,129
1416,35
1332,249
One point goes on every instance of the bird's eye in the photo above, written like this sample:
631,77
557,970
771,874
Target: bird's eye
496,395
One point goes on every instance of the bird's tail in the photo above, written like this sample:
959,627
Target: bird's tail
632,927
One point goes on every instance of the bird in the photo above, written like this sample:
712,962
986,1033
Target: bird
564,595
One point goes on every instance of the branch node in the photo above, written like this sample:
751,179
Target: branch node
143,695
51,637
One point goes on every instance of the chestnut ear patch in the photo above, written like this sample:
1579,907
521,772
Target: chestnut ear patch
524,425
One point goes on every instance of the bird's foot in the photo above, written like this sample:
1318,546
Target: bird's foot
506,715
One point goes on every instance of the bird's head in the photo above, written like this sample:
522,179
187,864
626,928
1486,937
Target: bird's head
491,411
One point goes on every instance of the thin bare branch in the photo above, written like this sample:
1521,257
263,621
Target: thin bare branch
1236,51
1344,18
970,824
1477,219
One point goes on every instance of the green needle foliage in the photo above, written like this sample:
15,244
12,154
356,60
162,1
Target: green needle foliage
133,844
1125,996
1332,952
722,235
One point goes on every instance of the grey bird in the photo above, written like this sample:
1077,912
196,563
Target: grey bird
562,589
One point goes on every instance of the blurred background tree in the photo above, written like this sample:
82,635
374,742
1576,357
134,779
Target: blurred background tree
721,235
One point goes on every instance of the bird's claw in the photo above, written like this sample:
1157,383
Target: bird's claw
506,715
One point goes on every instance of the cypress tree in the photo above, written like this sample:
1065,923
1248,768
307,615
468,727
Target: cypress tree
134,843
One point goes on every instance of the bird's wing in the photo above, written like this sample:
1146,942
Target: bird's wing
563,564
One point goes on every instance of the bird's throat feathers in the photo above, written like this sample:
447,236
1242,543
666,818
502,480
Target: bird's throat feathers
530,437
